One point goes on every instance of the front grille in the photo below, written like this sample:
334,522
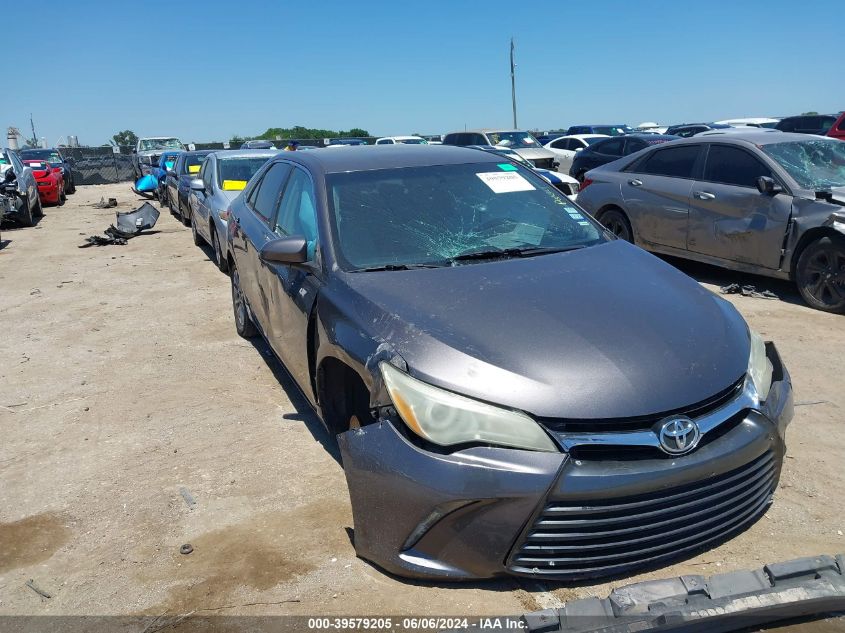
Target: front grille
644,422
544,163
575,539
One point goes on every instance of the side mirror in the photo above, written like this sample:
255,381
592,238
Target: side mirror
767,186
286,250
197,184
579,149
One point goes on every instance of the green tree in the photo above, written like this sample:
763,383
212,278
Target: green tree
126,137
356,131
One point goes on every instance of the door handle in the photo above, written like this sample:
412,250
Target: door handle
704,195
635,183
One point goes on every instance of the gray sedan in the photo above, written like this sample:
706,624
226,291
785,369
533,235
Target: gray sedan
222,177
758,202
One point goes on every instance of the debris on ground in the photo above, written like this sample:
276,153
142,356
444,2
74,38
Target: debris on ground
188,497
31,584
129,224
105,204
187,548
747,290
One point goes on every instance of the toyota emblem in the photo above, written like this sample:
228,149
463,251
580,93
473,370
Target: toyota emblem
679,435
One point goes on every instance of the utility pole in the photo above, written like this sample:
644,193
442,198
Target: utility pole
513,86
34,135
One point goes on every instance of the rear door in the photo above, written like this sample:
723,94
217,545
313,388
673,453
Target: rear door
564,149
252,231
729,218
291,291
656,190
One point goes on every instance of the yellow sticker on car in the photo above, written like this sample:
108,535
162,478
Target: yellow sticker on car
193,169
234,185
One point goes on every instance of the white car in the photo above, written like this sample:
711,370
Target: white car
751,122
565,147
404,140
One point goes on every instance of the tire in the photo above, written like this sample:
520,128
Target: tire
194,233
62,197
222,264
27,217
820,274
185,219
38,211
615,221
243,322
70,187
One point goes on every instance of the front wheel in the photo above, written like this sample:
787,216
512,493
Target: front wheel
243,322
194,233
617,223
820,274
62,196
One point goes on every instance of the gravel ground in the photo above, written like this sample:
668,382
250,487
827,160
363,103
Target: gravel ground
135,420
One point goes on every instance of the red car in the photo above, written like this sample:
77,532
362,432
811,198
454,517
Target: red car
51,182
837,130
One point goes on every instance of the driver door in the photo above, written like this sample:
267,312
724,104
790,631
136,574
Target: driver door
729,218
292,290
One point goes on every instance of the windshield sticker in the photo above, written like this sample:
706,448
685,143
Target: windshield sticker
506,167
194,169
584,223
576,216
507,182
234,185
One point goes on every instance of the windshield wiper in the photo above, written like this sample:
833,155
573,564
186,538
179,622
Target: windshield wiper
506,253
396,267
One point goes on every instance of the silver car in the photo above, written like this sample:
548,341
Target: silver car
27,204
222,177
523,143
759,202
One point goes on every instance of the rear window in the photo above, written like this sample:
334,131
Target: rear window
677,162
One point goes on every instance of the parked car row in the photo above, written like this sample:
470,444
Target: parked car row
430,302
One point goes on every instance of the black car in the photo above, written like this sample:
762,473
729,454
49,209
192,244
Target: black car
56,159
514,390
807,124
686,130
608,150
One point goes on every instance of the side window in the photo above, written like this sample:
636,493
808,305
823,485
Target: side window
298,211
451,139
561,143
206,173
678,162
477,139
787,125
611,148
733,166
267,197
634,145
383,142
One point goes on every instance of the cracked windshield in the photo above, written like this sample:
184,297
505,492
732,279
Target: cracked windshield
436,214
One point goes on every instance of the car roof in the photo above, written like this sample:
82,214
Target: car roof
370,157
801,116
244,153
754,136
200,152
600,125
490,130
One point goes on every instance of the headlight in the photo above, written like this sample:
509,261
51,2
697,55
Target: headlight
445,418
759,365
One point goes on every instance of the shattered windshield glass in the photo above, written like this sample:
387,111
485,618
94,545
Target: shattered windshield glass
512,139
148,144
817,164
432,215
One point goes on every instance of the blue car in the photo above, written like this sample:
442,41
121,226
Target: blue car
166,162
177,182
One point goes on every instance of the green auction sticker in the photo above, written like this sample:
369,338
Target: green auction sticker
506,167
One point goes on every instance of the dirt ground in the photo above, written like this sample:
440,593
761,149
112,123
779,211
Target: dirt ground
134,420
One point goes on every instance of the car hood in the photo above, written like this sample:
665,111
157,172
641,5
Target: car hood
604,332
534,153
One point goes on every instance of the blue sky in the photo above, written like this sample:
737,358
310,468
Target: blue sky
239,67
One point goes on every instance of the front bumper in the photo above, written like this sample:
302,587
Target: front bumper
485,511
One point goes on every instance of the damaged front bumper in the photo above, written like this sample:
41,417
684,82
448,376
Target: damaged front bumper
485,511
